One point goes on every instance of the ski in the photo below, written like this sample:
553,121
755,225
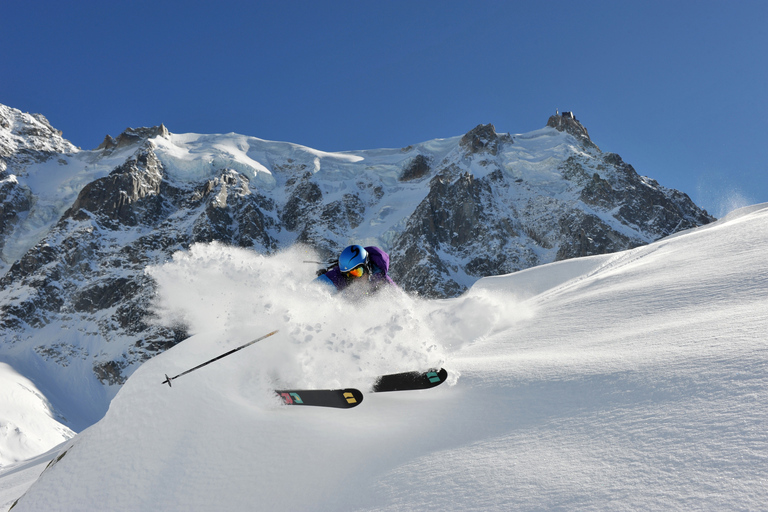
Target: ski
410,380
339,398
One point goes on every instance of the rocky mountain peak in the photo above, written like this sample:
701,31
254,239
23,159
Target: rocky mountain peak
132,136
483,138
28,138
567,122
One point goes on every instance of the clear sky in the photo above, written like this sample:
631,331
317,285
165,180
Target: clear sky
677,88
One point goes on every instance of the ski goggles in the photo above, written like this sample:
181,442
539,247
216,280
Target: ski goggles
355,272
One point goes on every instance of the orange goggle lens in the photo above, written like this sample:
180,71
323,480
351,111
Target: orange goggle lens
355,272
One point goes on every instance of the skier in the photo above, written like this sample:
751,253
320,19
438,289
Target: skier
364,268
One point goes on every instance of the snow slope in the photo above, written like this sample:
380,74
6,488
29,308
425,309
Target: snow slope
632,381
28,425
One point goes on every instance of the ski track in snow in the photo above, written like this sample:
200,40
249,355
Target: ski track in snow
633,381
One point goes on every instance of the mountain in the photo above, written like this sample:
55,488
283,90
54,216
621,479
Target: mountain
80,228
626,381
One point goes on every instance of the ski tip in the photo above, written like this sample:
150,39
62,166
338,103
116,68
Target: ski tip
167,381
353,397
410,380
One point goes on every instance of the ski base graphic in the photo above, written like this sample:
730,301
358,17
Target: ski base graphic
338,398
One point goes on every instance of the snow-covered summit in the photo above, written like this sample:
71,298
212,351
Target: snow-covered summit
27,139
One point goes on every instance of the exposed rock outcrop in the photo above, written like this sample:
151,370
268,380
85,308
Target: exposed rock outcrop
132,136
417,168
483,138
567,122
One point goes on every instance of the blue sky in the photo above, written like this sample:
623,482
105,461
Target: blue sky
677,88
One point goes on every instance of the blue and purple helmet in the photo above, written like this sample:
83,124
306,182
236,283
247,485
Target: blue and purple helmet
352,257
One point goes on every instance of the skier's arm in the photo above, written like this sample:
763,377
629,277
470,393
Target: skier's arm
326,282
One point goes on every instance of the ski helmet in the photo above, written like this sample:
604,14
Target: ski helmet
351,257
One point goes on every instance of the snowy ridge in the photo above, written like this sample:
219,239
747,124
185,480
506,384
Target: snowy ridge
631,381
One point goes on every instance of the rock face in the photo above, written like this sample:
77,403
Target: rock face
484,139
448,212
14,201
132,136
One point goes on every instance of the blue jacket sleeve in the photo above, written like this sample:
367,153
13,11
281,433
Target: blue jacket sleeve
326,281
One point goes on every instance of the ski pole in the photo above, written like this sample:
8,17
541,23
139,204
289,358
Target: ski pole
169,379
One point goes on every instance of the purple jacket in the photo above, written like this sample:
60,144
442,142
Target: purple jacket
379,264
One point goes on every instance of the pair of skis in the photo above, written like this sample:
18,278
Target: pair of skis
350,397
340,398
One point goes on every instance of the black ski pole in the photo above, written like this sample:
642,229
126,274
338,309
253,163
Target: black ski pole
169,379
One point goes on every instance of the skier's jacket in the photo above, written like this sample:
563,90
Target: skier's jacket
378,266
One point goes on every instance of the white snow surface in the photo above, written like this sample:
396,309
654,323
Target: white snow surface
28,425
632,381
